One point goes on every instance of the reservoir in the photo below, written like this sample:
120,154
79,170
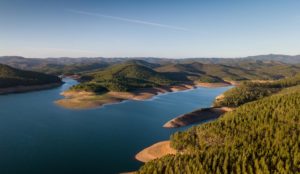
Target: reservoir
37,136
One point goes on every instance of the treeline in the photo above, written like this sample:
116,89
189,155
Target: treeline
250,91
258,137
115,84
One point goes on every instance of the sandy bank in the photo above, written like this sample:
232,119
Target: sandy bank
85,100
157,150
19,89
128,173
199,115
88,100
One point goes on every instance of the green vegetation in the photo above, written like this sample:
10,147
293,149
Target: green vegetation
11,77
136,74
90,87
258,137
250,91
283,65
123,77
208,79
127,74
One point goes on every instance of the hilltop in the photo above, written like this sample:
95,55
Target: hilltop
124,77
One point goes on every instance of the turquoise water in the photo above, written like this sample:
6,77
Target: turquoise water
36,136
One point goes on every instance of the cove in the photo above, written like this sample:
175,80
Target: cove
37,136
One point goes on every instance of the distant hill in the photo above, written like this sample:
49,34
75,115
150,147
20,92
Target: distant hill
11,77
232,61
276,57
66,65
243,70
58,69
56,66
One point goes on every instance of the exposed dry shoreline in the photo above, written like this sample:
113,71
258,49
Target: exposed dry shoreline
196,116
154,151
88,100
19,89
163,148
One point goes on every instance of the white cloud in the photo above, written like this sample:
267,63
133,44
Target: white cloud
128,20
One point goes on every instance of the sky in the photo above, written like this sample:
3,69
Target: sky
149,28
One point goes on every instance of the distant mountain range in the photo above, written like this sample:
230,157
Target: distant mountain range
66,65
122,74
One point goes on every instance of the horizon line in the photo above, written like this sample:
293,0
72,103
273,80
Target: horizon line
156,57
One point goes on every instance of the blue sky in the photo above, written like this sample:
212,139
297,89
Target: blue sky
157,28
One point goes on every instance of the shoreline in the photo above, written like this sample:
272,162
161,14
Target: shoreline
162,148
197,116
89,100
21,89
155,151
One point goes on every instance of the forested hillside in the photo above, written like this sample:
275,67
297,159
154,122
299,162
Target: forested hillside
11,77
242,70
261,136
56,69
250,91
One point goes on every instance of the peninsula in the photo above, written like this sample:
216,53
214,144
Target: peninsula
128,81
140,80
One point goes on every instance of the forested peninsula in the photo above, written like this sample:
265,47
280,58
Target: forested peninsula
259,136
140,80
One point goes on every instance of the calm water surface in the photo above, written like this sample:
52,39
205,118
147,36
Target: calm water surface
36,136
